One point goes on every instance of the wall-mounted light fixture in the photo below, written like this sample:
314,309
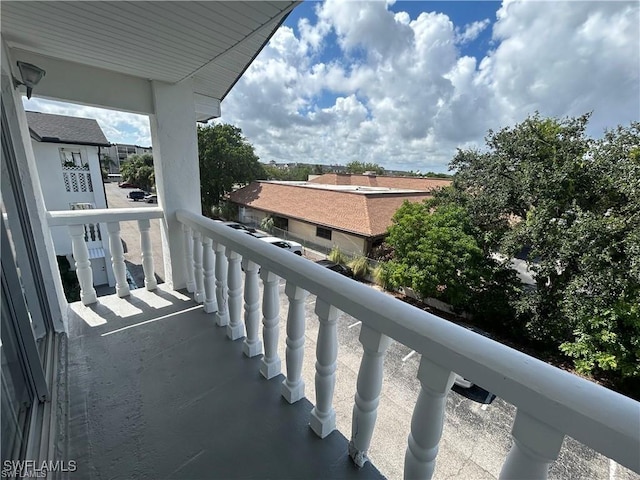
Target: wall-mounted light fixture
30,74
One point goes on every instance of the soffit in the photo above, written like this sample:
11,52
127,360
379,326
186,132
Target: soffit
210,41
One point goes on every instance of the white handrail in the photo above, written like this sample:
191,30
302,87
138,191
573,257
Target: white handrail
102,215
593,415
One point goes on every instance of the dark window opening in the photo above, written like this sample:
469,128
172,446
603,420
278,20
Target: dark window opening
281,222
323,233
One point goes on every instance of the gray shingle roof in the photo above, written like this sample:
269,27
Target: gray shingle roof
46,127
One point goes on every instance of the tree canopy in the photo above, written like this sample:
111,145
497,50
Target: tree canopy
569,205
138,169
227,160
437,252
362,167
295,173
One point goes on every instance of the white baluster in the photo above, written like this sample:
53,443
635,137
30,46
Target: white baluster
270,366
188,252
235,328
365,409
252,345
198,295
117,259
535,446
222,315
427,420
210,304
293,386
323,416
83,265
150,281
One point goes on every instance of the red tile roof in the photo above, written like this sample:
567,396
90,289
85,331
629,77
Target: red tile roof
365,214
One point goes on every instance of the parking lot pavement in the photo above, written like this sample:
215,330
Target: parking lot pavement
130,234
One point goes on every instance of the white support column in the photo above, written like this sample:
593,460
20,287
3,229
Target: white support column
235,328
177,169
252,345
150,282
365,409
117,259
83,265
270,366
535,447
222,315
210,304
188,262
323,416
293,385
198,295
427,420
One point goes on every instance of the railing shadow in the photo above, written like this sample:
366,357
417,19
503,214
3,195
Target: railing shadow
112,312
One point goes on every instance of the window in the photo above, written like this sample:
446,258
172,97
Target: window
70,158
281,222
323,233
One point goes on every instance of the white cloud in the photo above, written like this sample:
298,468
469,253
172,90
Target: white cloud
471,31
403,95
401,92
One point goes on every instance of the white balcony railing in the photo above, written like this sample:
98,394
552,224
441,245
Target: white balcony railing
550,403
76,221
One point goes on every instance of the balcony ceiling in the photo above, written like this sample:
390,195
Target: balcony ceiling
211,41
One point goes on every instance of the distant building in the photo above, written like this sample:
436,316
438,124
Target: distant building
119,152
352,212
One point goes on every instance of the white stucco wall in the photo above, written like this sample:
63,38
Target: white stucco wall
19,133
56,197
53,188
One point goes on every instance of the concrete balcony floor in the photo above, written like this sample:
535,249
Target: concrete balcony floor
157,391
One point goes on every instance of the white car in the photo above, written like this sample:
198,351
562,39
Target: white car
294,247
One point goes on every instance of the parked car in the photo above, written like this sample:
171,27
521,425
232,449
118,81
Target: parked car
294,247
136,195
152,198
239,226
127,185
466,387
336,267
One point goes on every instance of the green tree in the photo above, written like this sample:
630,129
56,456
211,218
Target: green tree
105,165
361,167
138,169
227,161
570,206
437,254
296,173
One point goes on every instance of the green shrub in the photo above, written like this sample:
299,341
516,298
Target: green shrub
360,266
267,224
381,276
336,255
70,283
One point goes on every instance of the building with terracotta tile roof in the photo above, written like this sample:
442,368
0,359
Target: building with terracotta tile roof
414,183
350,216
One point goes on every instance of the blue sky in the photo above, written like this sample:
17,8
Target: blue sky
405,84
